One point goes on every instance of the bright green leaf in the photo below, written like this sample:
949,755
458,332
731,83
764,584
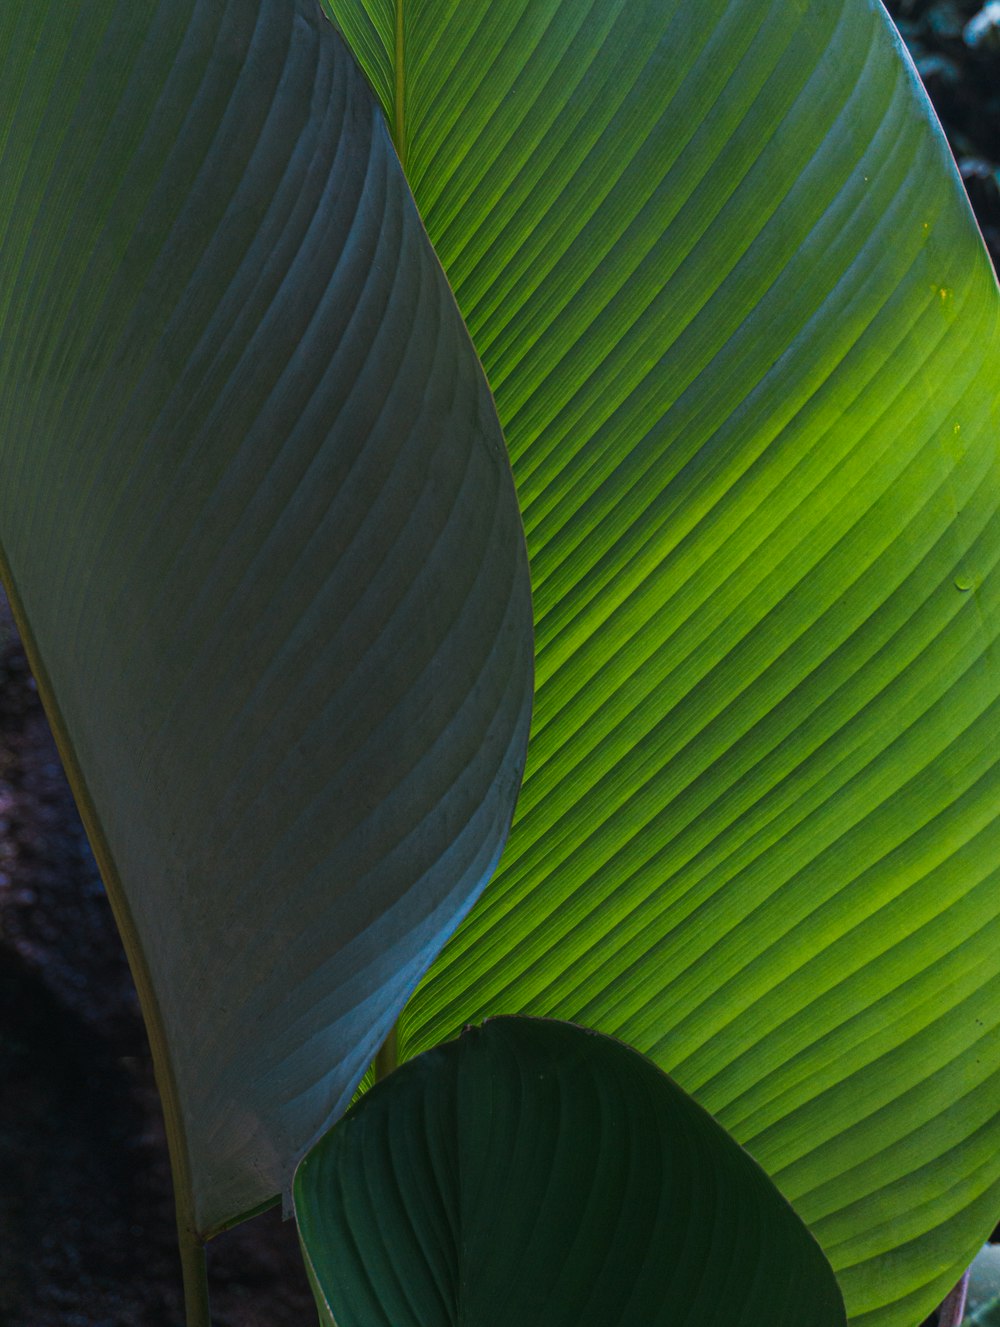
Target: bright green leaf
744,341
538,1174
260,532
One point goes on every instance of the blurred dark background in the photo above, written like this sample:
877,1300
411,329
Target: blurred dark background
86,1216
956,47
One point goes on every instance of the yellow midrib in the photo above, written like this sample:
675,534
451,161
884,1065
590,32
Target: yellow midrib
399,122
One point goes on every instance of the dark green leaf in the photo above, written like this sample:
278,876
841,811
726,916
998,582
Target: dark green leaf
537,1174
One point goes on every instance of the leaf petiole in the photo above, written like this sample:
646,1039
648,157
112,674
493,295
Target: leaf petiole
194,1269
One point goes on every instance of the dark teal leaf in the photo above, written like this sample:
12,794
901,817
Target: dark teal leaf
533,1173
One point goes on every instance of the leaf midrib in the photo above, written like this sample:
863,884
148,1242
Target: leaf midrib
399,121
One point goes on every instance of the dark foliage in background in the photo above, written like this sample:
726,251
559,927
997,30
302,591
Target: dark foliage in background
86,1220
956,47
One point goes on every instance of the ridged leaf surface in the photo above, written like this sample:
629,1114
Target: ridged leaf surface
539,1174
259,528
743,338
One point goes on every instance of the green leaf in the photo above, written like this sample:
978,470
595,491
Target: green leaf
984,1279
260,531
744,341
535,1173
988,1315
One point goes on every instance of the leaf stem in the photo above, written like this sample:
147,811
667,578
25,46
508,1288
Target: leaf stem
387,1057
194,1270
951,1312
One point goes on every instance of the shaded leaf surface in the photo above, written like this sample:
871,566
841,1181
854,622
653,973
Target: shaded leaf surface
536,1173
743,338
257,518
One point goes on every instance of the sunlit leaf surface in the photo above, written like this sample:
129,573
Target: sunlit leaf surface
744,342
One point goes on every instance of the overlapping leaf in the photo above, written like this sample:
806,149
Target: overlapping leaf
260,530
538,1174
743,338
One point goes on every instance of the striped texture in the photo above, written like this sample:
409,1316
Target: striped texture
743,339
537,1174
257,516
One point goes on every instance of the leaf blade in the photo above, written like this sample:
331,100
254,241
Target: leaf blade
257,517
534,1172
742,335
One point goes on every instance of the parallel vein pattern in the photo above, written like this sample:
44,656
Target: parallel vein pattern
535,1173
257,515
744,341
